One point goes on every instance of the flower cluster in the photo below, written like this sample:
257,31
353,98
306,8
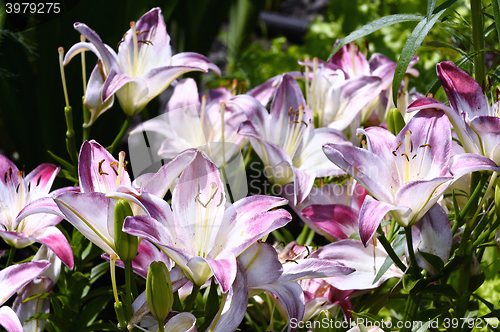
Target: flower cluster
365,180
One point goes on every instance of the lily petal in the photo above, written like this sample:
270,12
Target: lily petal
17,276
9,320
463,92
254,258
371,214
364,166
340,221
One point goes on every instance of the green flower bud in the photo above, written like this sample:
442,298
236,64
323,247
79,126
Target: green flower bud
126,244
395,121
159,293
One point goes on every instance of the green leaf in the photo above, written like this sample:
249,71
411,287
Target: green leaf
399,249
211,306
412,44
431,4
435,261
98,271
375,26
444,290
495,4
409,282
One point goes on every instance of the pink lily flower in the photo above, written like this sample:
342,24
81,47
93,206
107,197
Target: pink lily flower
12,279
25,202
406,174
286,140
476,123
280,276
144,65
191,123
42,284
331,210
200,233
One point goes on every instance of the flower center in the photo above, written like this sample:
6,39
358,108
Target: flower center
206,227
118,167
295,130
409,160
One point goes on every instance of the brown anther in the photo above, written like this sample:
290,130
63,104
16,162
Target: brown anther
24,171
304,123
308,252
394,153
221,198
290,110
430,95
404,154
29,186
482,86
117,165
197,198
101,172
413,156
291,260
489,82
411,146
38,181
397,147
17,189
425,145
497,91
10,173
5,177
148,42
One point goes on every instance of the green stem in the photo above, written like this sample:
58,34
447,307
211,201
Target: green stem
192,298
478,40
486,235
160,326
392,230
412,304
387,246
123,131
70,136
10,259
86,119
128,289
248,156
463,283
413,259
474,198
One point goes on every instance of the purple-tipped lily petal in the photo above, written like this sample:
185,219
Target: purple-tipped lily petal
364,166
371,215
17,276
9,320
152,67
433,235
291,296
365,261
96,224
98,170
233,306
469,162
462,90
340,221
254,258
93,96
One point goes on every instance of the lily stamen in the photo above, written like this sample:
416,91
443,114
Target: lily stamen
101,172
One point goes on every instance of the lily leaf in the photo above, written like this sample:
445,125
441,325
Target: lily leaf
375,26
412,44
435,261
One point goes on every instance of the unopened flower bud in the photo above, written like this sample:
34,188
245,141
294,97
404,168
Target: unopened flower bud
395,121
159,293
126,244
